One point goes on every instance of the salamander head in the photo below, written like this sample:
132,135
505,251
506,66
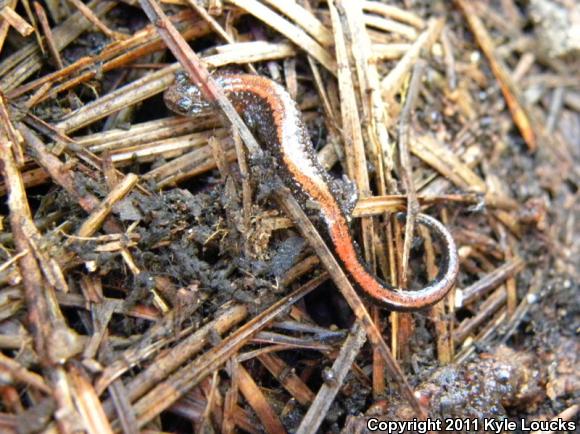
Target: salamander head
185,98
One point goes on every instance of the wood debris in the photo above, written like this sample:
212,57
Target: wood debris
152,280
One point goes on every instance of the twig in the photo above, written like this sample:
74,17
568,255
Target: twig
61,176
567,414
87,402
20,374
522,116
295,34
492,280
522,309
394,12
449,59
285,374
90,15
405,161
305,19
255,397
49,38
166,393
328,391
5,25
491,305
391,84
53,340
391,26
555,109
16,21
100,213
354,147
25,62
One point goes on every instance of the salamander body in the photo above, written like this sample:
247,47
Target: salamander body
273,115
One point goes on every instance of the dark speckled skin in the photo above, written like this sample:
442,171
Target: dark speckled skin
274,117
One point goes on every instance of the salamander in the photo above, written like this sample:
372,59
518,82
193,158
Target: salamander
272,114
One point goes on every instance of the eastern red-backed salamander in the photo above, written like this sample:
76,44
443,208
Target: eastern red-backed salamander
272,114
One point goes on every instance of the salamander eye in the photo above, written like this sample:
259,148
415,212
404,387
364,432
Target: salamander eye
185,105
182,78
